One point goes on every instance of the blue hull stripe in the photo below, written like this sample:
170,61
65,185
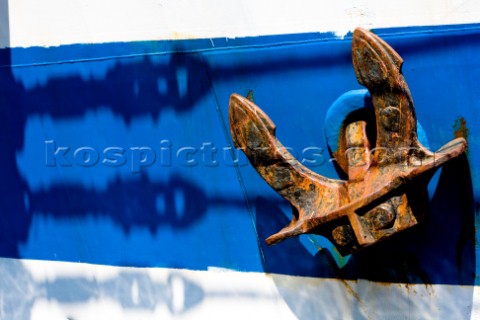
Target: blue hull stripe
120,153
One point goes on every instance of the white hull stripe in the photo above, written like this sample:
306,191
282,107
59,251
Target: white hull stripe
58,22
61,290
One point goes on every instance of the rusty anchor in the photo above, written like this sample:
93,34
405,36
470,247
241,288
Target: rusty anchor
386,190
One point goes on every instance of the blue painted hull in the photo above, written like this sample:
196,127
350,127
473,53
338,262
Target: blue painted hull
120,154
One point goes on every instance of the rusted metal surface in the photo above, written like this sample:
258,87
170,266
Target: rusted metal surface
386,188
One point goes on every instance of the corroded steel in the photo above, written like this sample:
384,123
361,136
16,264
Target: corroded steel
386,188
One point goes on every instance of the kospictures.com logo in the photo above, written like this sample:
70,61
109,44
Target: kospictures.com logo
166,154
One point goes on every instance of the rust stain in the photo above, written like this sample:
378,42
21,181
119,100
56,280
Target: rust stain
182,36
461,130
460,127
351,291
356,296
250,95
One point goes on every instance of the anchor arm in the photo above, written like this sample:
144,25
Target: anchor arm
309,193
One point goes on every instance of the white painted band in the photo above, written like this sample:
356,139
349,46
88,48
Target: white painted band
59,22
62,290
